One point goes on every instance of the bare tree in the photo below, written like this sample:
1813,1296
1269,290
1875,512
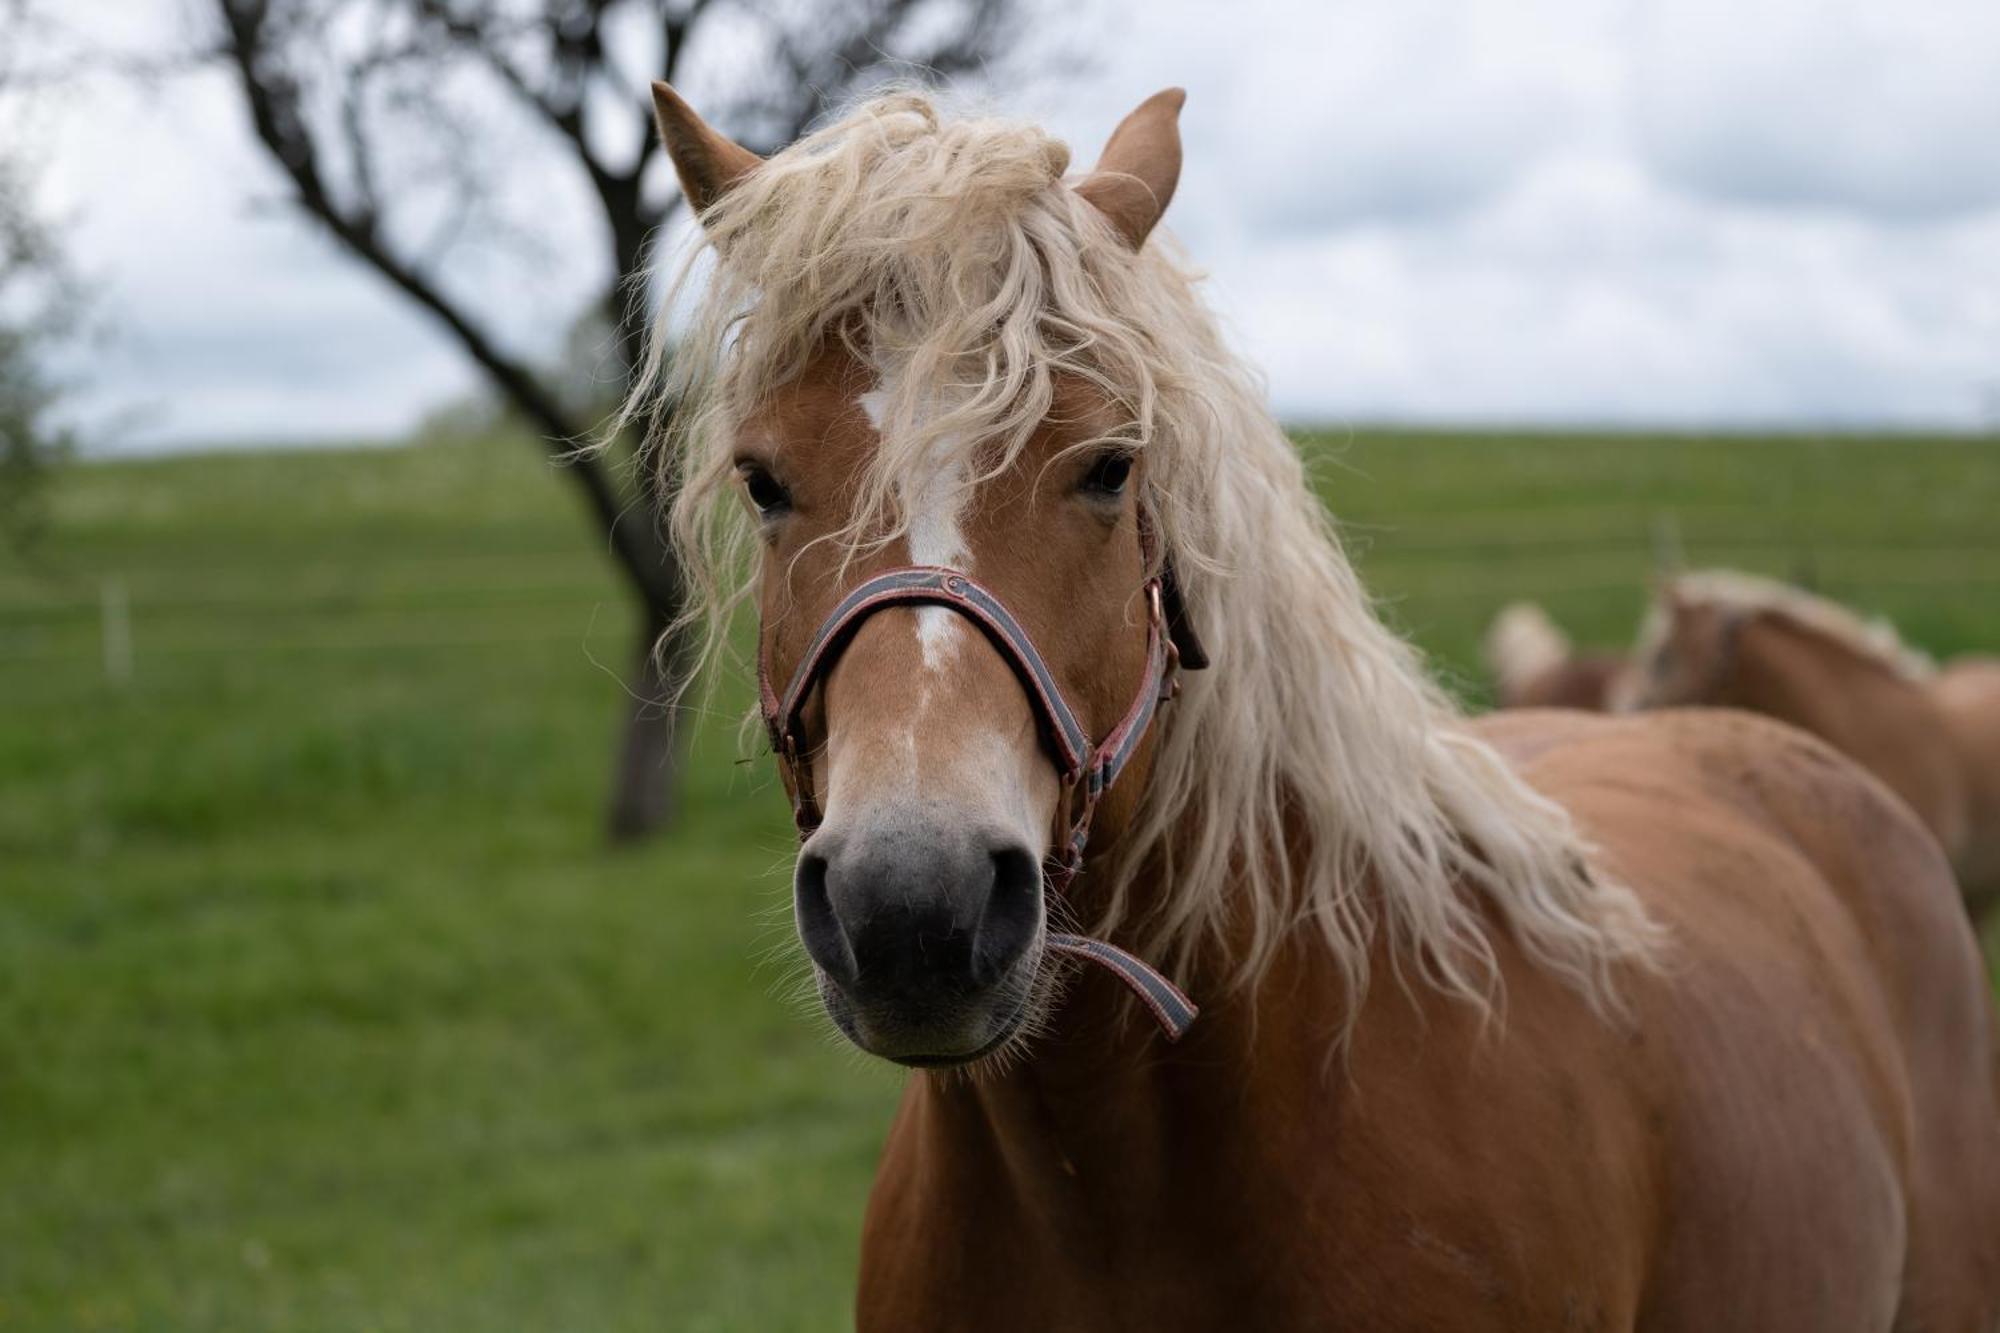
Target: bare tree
379,114
42,307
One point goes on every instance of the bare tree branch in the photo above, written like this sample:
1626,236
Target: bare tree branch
276,113
378,114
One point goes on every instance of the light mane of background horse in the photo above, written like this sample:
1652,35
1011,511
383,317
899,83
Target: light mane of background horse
1731,590
939,251
1534,665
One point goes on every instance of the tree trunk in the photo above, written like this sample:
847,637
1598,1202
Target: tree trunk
646,777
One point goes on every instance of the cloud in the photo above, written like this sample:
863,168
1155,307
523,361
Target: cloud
230,315
1843,105
1360,120
1665,211
1328,115
1591,293
1599,229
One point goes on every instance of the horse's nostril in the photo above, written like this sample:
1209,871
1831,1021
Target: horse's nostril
819,928
1013,913
1017,872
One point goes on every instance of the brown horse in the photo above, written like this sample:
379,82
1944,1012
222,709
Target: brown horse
1548,1022
1736,640
1534,665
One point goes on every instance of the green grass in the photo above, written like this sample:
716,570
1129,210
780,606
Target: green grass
322,1004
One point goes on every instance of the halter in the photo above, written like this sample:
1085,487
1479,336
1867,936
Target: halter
1086,770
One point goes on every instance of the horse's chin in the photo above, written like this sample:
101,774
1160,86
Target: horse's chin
968,1030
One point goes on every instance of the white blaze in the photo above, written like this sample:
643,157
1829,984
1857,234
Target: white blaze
933,497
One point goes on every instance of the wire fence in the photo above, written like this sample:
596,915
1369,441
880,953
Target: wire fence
324,602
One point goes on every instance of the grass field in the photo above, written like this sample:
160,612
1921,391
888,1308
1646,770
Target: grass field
322,1005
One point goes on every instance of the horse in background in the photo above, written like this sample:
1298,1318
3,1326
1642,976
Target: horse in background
1541,1021
1729,639
1534,665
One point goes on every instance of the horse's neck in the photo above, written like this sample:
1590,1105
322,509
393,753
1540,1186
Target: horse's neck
1107,1159
1857,704
1105,1129
1824,687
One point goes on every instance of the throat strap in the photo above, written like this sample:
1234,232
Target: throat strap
1170,1007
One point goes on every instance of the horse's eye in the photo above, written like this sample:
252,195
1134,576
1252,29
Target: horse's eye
1108,475
765,491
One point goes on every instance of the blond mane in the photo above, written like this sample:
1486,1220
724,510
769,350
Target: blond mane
1874,640
950,246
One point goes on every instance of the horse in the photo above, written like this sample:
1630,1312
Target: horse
1534,665
1725,638
1242,981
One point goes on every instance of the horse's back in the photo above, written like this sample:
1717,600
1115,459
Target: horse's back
1821,1033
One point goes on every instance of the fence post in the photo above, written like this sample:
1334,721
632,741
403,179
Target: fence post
1668,557
117,622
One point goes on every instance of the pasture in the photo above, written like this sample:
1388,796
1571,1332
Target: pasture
323,1005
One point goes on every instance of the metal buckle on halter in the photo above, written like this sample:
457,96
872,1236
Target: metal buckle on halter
805,810
788,755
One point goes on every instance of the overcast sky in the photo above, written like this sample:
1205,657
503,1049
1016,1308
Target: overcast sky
1656,212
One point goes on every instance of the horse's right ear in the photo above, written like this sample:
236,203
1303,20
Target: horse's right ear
707,161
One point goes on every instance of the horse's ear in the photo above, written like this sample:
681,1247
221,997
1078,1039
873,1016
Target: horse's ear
1134,180
707,161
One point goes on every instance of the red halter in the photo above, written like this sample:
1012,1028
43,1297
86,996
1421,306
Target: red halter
1086,770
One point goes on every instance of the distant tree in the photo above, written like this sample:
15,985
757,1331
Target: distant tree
40,307
380,116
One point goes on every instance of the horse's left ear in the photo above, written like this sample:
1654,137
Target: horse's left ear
1135,179
707,161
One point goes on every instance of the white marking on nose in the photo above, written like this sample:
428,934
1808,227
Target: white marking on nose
934,497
